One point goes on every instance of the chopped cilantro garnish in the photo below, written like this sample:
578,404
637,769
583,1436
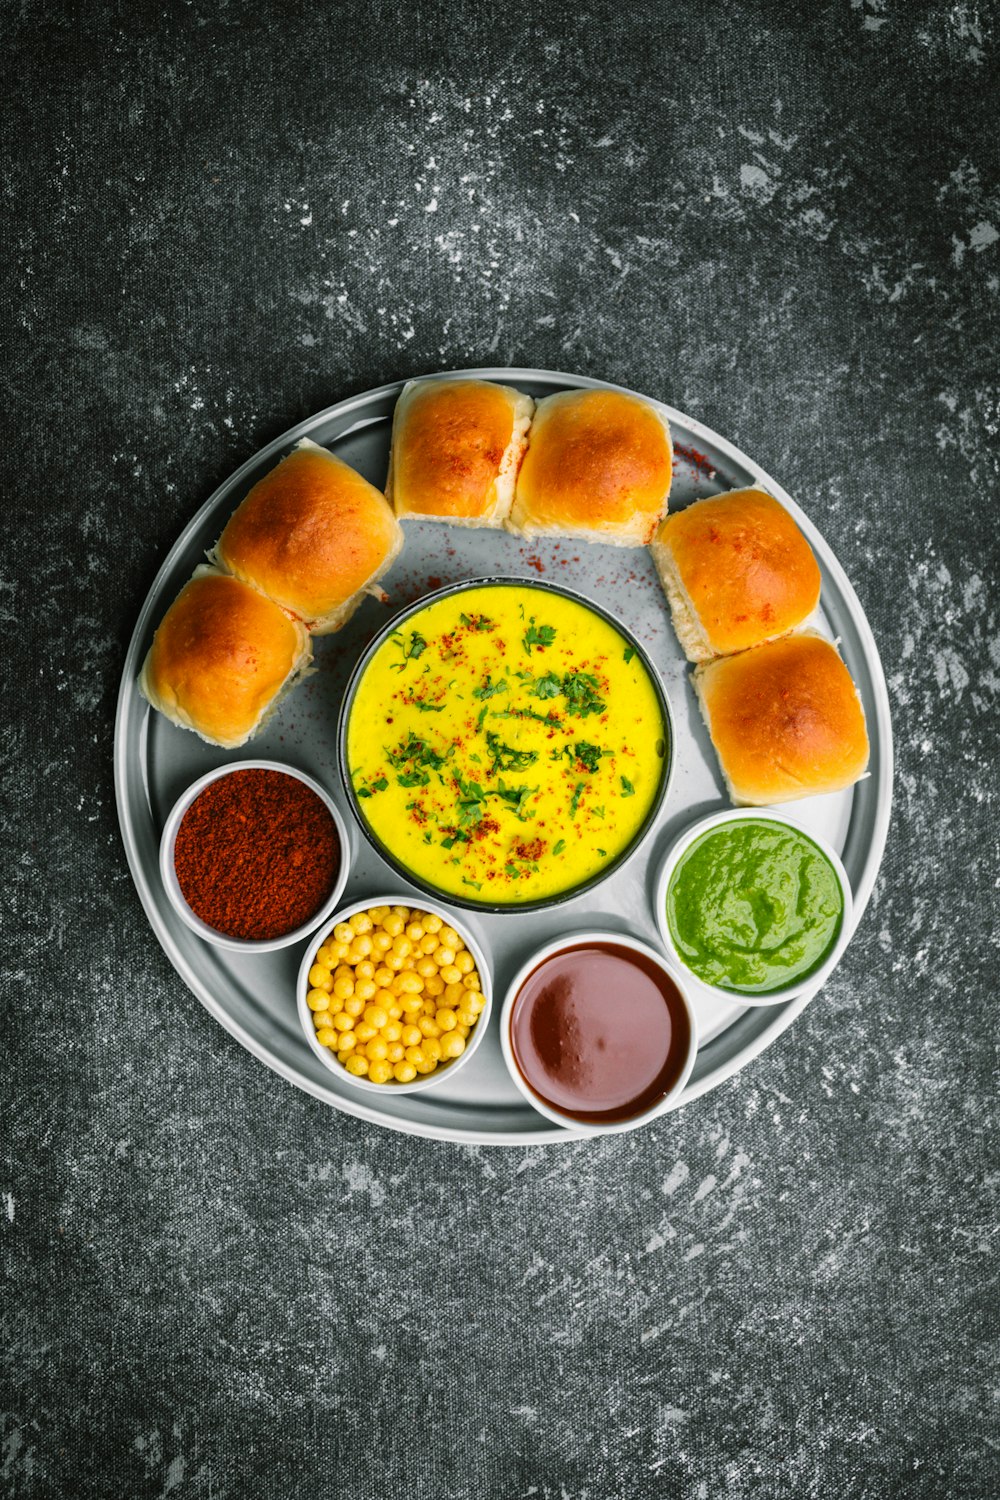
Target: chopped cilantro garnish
516,798
376,786
537,635
577,794
416,750
477,622
413,778
548,686
581,693
507,757
603,853
588,755
412,758
559,847
489,689
524,713
471,803
428,708
629,653
628,790
475,884
416,648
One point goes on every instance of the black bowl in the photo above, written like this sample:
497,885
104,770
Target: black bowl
466,902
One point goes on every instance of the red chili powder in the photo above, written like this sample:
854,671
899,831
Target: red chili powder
256,855
697,461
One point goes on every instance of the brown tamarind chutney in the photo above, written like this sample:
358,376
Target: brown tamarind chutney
599,1032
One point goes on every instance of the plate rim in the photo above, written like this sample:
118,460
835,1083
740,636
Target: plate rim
785,1013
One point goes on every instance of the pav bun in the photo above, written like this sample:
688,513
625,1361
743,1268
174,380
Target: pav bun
222,659
314,536
737,572
598,467
456,449
785,719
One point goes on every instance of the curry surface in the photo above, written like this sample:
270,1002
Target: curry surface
506,744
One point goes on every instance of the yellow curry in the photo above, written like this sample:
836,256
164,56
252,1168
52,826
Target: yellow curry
505,744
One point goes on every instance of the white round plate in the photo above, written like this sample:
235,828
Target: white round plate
253,997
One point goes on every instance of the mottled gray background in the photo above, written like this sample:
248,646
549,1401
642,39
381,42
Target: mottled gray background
783,219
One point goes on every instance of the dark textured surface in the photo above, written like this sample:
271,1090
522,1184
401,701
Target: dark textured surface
783,220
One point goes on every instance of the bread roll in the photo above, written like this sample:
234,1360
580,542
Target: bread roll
456,449
222,659
314,536
598,467
737,572
785,719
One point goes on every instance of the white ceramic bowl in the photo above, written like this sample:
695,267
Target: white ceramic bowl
171,884
444,1070
810,981
580,940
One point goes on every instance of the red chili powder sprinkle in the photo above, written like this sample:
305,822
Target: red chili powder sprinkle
532,851
256,855
696,460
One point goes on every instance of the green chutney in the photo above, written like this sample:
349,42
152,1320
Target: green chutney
754,906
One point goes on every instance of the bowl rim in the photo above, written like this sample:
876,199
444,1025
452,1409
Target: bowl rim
694,831
580,939
168,873
466,903
426,1081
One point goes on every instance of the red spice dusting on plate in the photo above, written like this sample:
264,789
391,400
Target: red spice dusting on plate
695,460
256,854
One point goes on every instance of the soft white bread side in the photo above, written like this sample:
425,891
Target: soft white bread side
456,449
785,719
687,626
598,467
736,571
223,659
314,536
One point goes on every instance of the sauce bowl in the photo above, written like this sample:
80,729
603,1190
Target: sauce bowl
683,1064
808,981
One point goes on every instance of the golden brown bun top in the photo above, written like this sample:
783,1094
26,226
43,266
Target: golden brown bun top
220,656
310,534
745,565
785,719
596,460
449,440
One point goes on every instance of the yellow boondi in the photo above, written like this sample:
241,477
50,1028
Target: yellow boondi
505,744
